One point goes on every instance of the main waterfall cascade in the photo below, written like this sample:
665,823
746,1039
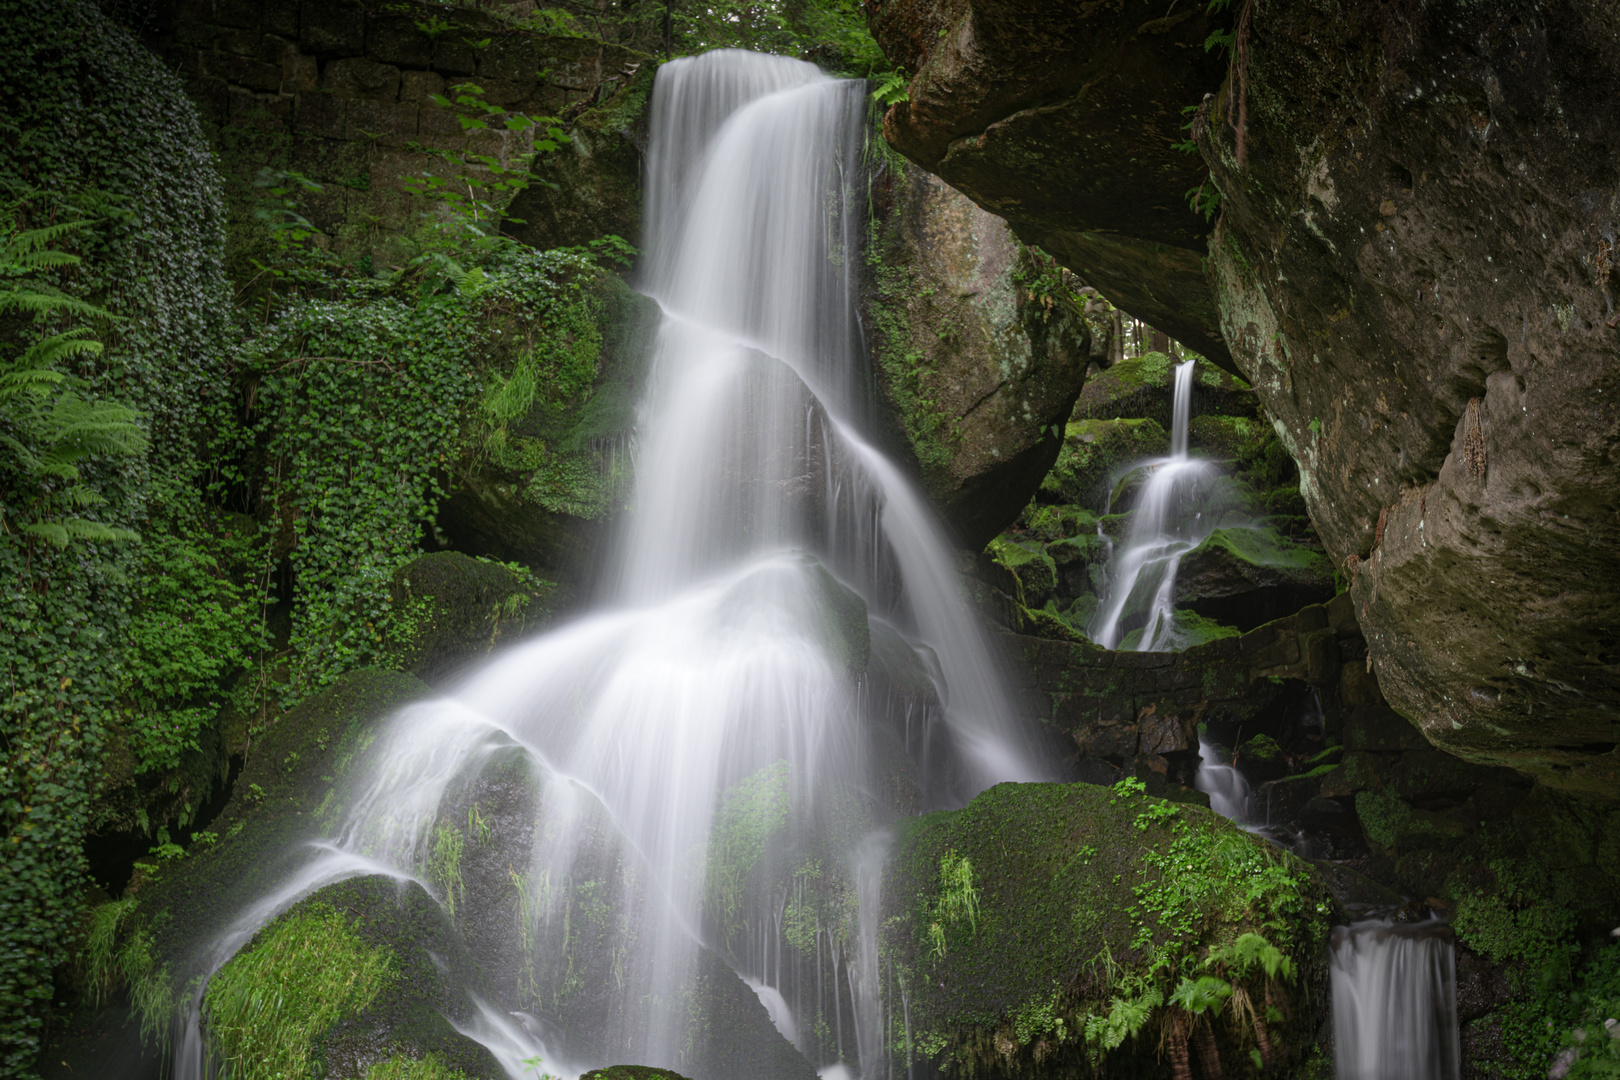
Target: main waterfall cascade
704,766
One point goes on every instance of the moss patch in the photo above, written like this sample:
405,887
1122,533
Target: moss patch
1089,902
270,1004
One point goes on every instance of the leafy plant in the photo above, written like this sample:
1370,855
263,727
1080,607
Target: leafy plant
51,427
892,88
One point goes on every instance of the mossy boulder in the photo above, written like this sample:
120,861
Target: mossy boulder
1096,452
1246,576
1143,386
1041,930
980,345
542,494
454,609
364,973
1240,439
1029,563
631,1072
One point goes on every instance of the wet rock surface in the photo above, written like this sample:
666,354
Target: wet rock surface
980,349
1062,118
1415,266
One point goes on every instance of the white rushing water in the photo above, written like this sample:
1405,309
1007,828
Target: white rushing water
1395,1002
710,707
1227,788
1168,523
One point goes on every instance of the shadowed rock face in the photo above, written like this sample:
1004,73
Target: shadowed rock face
1415,267
979,349
1060,117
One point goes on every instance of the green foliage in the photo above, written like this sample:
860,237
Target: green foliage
95,131
1205,994
269,1005
424,1068
892,88
47,424
198,627
957,902
444,866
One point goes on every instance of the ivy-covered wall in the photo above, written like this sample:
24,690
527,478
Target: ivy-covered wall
92,127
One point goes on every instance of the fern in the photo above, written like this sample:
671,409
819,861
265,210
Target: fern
49,427
892,88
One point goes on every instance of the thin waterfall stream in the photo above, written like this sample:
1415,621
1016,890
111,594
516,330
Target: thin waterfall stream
720,704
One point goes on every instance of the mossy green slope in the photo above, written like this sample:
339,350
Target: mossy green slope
1089,902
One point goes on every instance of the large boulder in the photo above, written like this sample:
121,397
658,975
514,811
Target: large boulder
453,610
1064,119
1044,928
980,347
1415,266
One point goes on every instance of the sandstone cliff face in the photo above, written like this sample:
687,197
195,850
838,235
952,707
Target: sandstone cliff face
1061,118
980,349
1415,269
1414,266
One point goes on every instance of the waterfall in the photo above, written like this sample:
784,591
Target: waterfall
1166,525
712,708
1395,1002
1227,788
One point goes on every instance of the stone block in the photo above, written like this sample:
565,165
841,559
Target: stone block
1116,741
1427,774
332,27
385,122
363,78
504,93
239,13
1311,618
514,58
254,74
1137,660
279,18
299,72
1160,733
420,86
1071,711
1320,650
193,13
452,56
442,125
238,42
212,97
1341,616
320,114
329,161
1358,771
396,39
1357,685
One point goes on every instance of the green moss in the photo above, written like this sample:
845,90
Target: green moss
424,1068
1094,452
1263,547
1030,565
268,1006
1090,902
630,1072
1384,816
1188,630
1261,748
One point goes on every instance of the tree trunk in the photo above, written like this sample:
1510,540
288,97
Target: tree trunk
1261,1037
1209,1058
1159,342
1180,1067
1116,346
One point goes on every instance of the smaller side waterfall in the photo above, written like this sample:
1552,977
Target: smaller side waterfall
1228,789
1395,1002
1142,574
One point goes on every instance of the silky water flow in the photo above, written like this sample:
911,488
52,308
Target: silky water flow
1395,1002
685,783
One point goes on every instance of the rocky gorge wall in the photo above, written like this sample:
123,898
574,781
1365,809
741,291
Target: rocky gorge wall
1411,261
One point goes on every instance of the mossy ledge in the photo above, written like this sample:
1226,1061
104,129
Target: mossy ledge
1080,912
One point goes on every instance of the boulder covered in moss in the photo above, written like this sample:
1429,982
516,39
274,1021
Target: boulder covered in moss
1248,576
453,609
1054,930
363,975
980,345
1095,454
631,1072
542,492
